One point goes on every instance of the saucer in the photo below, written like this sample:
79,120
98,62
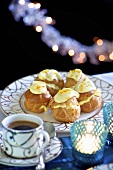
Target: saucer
51,152
104,167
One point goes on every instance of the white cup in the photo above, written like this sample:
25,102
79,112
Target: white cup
24,143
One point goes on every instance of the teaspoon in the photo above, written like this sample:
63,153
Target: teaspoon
50,129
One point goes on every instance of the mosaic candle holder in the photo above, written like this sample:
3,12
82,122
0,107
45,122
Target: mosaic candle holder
108,120
88,138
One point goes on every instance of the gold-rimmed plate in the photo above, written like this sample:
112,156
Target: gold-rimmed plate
12,99
104,167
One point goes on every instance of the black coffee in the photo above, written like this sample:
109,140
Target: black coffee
23,125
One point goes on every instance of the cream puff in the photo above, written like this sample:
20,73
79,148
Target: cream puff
64,105
37,97
90,97
73,77
53,80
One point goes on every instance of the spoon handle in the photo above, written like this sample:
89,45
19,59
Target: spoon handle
41,163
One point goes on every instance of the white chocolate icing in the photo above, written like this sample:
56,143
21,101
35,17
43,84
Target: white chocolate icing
85,86
49,75
96,93
85,101
65,94
74,74
44,107
38,87
63,105
53,86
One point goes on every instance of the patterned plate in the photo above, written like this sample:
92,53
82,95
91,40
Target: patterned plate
104,167
12,98
51,152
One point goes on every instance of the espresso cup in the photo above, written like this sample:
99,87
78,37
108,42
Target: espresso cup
23,135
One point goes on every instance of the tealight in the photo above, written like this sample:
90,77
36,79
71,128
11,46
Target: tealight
88,139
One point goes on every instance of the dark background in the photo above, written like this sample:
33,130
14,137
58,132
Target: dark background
23,53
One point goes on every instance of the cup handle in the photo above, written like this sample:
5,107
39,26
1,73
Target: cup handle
45,142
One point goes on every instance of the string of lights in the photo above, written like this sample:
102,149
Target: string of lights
33,15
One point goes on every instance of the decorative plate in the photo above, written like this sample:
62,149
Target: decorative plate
12,98
104,167
51,152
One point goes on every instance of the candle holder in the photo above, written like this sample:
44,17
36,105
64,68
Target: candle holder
108,120
88,138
